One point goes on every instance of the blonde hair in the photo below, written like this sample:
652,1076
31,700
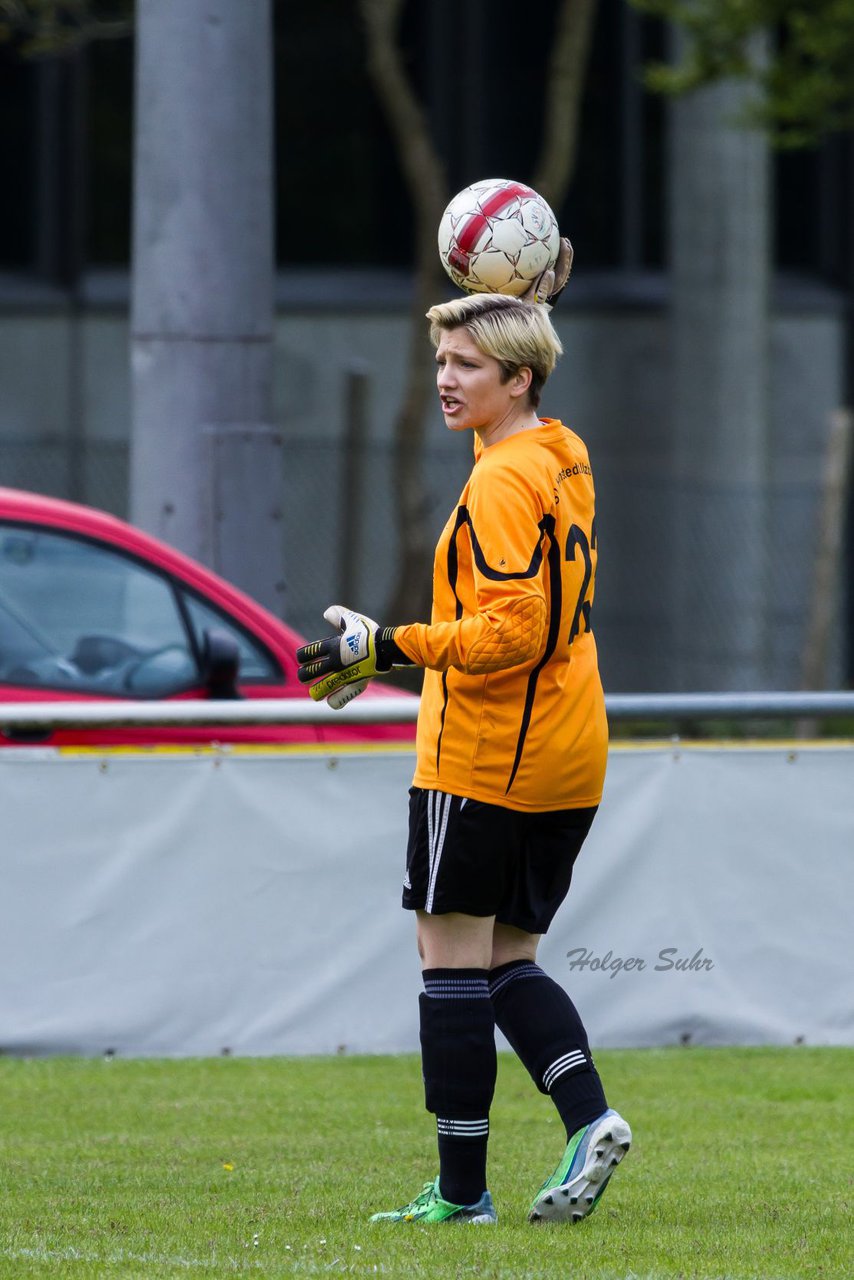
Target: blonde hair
515,333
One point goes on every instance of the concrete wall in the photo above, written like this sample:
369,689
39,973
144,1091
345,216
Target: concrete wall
64,378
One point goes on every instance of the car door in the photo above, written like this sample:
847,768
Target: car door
81,619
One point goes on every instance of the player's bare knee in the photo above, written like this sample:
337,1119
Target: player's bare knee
510,944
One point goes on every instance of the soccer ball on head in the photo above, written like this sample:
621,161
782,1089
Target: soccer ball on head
497,236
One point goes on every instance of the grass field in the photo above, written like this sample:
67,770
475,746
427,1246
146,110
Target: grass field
741,1167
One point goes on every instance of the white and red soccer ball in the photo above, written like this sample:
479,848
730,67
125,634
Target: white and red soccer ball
497,236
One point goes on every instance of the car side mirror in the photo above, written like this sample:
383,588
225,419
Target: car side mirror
220,664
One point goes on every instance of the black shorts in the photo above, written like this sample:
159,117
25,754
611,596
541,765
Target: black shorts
483,860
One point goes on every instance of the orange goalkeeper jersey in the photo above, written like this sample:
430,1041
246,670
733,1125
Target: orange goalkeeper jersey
512,710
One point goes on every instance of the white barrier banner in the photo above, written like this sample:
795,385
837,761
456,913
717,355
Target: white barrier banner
172,904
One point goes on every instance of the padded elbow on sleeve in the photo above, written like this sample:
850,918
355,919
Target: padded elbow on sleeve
516,638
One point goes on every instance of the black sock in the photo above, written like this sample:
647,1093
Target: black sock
545,1030
459,1065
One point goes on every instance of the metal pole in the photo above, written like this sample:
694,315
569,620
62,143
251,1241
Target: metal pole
353,471
403,709
206,457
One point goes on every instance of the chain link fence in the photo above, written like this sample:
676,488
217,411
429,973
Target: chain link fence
94,471
700,588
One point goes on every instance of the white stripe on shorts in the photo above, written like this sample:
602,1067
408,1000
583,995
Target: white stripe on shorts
437,827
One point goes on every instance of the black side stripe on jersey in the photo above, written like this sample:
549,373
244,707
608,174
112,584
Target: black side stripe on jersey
546,525
442,718
453,572
464,517
554,563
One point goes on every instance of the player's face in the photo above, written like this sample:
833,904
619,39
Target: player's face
470,387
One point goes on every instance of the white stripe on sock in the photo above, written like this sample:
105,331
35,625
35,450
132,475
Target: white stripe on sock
560,1066
462,1128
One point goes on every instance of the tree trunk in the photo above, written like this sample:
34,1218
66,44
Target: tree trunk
425,176
411,596
567,74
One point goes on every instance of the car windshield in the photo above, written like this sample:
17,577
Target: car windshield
19,638
74,614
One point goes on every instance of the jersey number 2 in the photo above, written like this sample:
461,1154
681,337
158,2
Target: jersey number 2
578,538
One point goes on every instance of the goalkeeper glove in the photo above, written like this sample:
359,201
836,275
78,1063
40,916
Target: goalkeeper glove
346,662
550,285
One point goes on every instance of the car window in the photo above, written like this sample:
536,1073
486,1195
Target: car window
76,615
255,662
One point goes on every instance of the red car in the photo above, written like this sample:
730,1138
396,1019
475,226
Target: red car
93,609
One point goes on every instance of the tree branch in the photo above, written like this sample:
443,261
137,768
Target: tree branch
46,28
570,54
418,156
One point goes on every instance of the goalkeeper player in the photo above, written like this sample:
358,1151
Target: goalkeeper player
511,751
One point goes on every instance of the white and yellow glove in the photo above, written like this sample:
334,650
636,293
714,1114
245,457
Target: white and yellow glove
550,285
347,661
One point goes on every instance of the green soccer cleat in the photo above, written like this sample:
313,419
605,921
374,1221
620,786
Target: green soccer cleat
430,1207
575,1188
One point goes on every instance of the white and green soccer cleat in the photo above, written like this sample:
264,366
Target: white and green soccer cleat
430,1207
575,1188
